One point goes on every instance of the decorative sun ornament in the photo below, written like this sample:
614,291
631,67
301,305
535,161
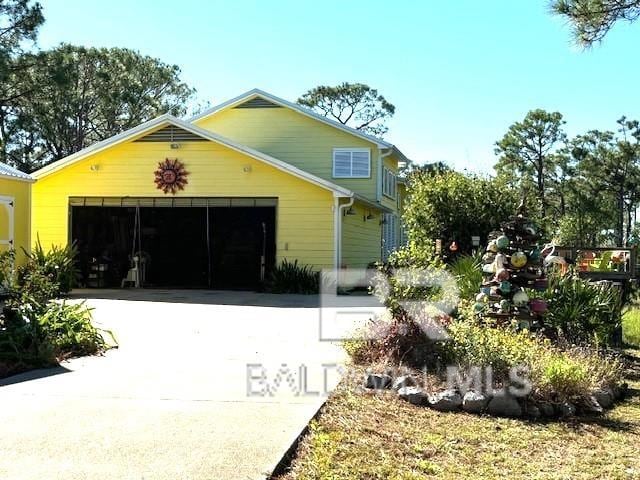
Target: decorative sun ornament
171,176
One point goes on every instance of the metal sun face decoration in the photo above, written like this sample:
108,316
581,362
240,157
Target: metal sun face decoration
171,176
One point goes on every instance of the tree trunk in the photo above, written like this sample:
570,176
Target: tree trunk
620,220
540,172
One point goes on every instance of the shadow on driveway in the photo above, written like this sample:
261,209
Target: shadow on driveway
203,297
33,375
224,297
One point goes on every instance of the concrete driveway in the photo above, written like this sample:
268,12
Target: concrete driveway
189,394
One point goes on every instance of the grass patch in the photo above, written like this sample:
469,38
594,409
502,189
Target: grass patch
377,436
631,327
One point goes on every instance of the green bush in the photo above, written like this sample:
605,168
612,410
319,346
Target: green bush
473,344
631,327
581,311
58,264
36,330
41,336
69,331
569,372
289,277
467,269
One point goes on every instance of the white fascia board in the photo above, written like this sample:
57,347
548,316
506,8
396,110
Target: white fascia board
17,179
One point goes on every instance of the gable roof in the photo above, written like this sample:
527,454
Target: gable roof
11,173
256,92
165,120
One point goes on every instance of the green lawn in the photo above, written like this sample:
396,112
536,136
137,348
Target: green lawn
631,327
376,436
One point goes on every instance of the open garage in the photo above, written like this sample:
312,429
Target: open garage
174,242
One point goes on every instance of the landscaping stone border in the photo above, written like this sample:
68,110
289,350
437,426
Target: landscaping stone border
498,404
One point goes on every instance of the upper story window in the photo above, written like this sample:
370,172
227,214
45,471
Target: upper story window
351,163
389,183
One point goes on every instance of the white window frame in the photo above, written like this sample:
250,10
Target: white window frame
351,151
389,183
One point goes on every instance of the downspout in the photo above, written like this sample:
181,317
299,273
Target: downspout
338,210
381,157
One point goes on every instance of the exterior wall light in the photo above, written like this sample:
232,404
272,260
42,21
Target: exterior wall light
350,211
247,169
175,146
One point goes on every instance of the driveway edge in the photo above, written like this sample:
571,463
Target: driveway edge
284,464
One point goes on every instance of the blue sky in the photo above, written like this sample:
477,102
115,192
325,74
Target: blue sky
459,72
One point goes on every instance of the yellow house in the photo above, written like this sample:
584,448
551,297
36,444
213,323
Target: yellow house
15,211
220,199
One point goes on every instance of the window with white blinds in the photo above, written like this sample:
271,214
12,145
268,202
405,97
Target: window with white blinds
351,163
389,183
389,234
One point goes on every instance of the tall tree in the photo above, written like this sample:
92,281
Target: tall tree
19,22
592,19
353,104
530,158
84,95
609,167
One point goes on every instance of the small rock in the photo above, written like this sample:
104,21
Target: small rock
413,395
403,381
590,405
566,409
504,406
378,381
447,401
546,409
603,397
474,402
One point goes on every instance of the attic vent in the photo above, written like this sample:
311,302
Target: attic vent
170,134
257,103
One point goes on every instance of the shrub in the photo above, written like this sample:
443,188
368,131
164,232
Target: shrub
36,337
58,264
570,372
467,269
473,344
393,340
35,330
581,311
289,277
631,327
69,331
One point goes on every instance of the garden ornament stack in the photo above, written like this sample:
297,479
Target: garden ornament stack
513,274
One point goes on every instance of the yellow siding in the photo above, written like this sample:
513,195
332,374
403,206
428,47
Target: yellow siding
21,193
294,138
360,237
304,213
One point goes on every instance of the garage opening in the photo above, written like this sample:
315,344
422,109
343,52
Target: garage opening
222,243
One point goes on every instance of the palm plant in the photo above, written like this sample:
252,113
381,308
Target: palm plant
467,269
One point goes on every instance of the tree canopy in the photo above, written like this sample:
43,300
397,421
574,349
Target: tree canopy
592,19
449,205
79,96
530,159
353,104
